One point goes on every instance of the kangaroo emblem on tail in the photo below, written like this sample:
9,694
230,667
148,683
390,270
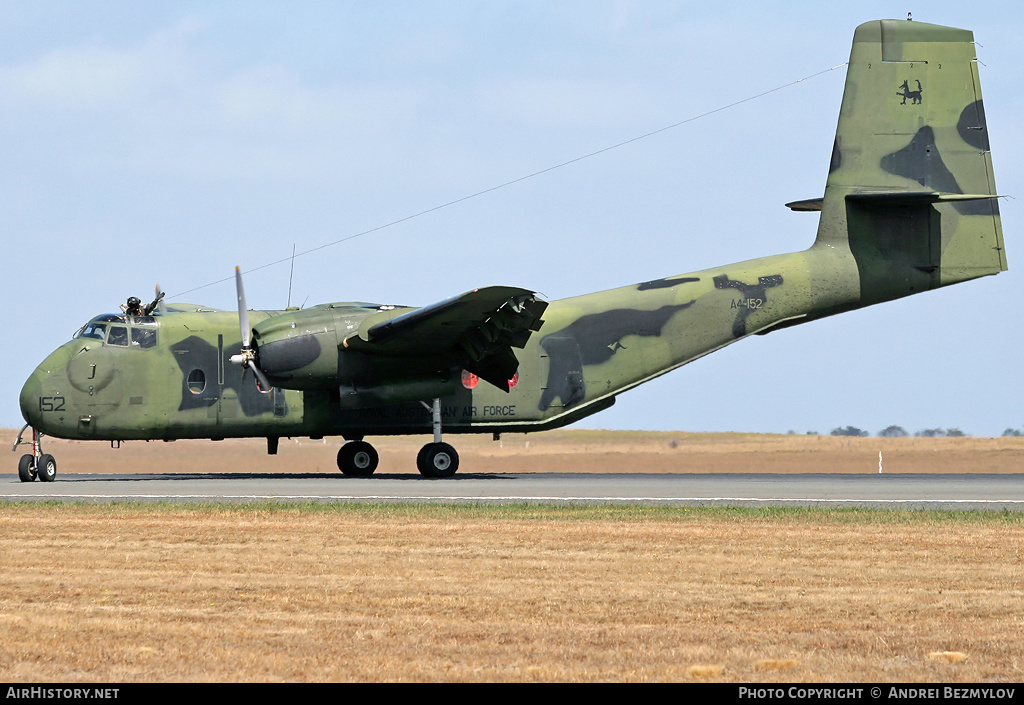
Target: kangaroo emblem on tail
915,96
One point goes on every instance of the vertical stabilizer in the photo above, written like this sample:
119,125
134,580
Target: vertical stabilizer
910,186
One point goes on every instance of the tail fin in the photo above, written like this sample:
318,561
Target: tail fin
910,186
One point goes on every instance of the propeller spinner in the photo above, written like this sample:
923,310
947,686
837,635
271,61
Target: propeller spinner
247,358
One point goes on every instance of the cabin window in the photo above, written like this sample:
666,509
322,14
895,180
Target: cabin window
144,337
118,336
196,381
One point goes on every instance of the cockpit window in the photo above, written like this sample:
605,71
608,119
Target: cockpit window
93,330
111,318
141,333
118,336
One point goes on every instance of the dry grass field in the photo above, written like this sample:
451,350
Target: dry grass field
391,593
562,451
120,593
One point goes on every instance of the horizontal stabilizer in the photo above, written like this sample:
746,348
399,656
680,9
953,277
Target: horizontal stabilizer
912,198
810,205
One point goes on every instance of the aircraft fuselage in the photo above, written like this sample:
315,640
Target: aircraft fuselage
180,382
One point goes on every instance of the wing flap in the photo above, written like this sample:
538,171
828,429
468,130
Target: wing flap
476,330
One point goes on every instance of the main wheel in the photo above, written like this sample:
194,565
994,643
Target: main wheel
47,468
437,460
357,459
26,468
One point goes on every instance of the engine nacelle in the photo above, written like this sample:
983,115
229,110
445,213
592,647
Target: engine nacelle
299,349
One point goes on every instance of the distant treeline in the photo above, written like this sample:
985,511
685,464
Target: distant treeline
900,432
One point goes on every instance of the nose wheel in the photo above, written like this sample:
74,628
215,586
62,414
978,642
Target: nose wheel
27,468
37,463
46,468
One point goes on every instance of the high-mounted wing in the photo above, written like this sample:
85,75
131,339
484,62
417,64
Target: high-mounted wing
477,329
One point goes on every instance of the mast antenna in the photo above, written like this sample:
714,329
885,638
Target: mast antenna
291,273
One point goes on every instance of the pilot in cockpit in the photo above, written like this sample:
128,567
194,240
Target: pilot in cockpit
134,306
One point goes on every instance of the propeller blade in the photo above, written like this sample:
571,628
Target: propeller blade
161,307
247,357
261,379
243,311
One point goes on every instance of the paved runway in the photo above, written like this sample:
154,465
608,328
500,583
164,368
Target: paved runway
908,491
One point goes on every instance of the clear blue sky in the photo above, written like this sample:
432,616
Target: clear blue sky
168,142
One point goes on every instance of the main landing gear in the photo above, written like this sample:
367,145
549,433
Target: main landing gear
357,459
37,464
437,459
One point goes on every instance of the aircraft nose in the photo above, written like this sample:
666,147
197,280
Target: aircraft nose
29,399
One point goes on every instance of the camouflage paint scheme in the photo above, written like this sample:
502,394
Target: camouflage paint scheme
909,206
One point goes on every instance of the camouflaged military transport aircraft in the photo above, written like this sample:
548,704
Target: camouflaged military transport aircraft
909,205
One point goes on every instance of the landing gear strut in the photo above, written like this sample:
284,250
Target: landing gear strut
37,464
437,459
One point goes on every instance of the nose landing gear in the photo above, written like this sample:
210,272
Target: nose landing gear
37,464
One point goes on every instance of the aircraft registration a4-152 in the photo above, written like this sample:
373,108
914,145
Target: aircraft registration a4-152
909,205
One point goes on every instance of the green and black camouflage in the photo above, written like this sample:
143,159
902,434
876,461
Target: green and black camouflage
909,205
